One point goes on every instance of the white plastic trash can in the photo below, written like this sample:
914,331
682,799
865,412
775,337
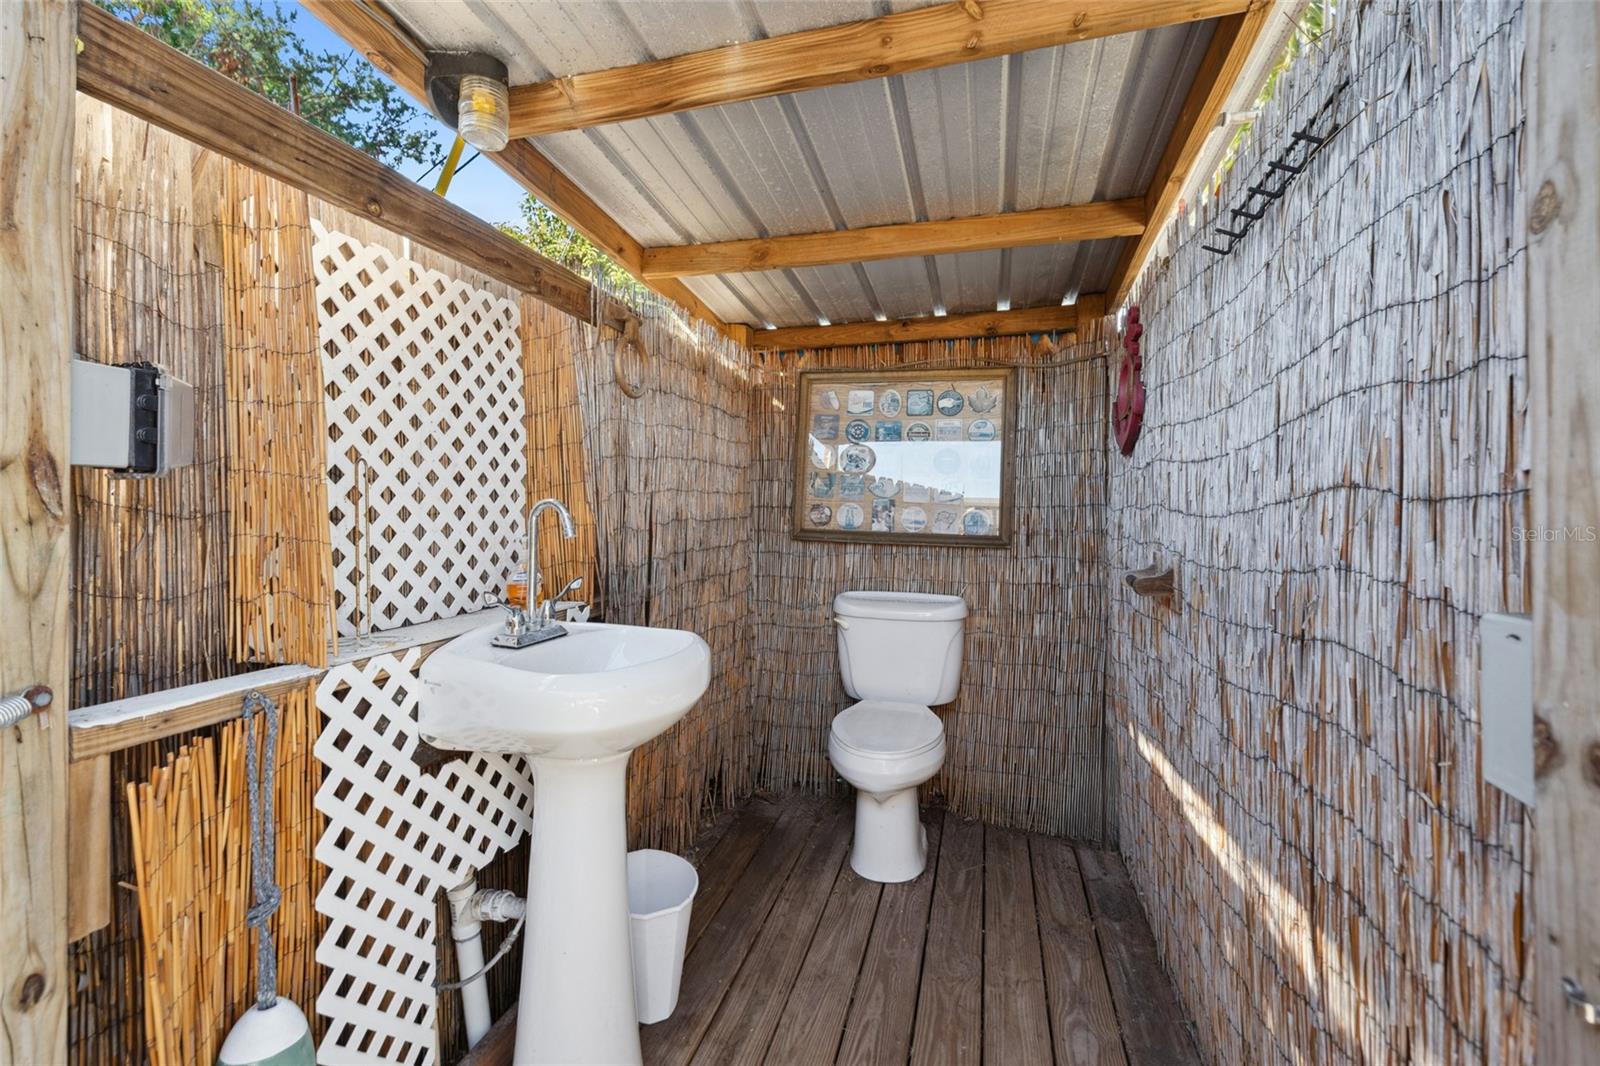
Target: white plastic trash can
661,888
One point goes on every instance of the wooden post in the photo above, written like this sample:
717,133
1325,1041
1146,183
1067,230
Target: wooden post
1563,198
36,293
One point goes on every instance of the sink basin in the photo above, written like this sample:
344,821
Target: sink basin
577,706
600,690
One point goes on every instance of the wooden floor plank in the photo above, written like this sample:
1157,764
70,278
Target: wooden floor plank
1016,1018
949,1026
1010,949
1148,1011
715,959
1083,1022
744,1024
878,1028
808,1032
725,861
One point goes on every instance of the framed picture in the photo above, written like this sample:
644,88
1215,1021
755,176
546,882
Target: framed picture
904,456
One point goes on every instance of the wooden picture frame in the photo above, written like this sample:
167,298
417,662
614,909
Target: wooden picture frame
904,457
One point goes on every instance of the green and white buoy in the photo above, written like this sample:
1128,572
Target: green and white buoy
274,1032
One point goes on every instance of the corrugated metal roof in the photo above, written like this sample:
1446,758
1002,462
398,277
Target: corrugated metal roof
1057,126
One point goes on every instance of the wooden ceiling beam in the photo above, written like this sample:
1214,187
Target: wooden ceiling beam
1051,225
1056,319
132,71
834,55
388,47
1225,57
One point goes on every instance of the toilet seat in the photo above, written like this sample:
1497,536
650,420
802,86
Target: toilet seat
880,729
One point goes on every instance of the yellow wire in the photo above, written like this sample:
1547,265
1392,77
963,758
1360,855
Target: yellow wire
449,167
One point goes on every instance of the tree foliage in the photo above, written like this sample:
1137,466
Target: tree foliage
549,234
259,47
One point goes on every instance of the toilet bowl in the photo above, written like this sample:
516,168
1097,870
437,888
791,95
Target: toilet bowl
899,653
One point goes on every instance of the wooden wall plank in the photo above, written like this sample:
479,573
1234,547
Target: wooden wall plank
36,117
131,70
88,846
1562,195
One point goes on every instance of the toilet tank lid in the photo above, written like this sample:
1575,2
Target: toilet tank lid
900,606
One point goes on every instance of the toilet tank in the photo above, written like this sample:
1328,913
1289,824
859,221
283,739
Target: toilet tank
900,646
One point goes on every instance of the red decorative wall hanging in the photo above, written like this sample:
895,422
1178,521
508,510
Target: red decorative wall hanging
1127,411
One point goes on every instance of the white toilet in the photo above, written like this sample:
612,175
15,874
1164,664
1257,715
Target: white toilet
900,653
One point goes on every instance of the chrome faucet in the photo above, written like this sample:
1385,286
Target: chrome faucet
523,626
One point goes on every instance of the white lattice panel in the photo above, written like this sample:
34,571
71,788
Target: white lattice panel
396,838
424,381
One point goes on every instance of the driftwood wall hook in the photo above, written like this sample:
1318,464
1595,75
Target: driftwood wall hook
1157,581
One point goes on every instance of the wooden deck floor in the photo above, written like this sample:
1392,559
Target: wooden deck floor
1010,949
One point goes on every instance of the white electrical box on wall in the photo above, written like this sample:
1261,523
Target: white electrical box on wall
1505,703
134,419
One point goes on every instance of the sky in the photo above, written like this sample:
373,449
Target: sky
481,188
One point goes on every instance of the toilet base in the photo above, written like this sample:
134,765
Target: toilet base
891,844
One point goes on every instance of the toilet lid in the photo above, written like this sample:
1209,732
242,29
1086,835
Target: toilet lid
876,727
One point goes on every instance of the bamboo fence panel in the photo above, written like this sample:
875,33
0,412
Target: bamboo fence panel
667,477
1024,736
150,591
190,838
556,464
280,570
1334,462
203,572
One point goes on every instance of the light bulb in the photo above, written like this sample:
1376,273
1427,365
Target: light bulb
484,112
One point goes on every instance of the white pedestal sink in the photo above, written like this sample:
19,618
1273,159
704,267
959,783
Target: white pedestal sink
578,705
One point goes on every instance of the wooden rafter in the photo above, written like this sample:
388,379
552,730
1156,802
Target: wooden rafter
1225,57
873,48
390,48
131,70
1055,319
1051,225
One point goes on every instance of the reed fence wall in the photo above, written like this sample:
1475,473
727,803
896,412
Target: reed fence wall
1334,462
1024,737
666,479
150,591
186,259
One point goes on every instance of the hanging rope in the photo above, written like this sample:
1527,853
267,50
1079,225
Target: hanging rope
263,847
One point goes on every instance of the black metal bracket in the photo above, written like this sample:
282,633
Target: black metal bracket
1287,167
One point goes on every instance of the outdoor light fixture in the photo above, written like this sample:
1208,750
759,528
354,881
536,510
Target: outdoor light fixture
470,93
